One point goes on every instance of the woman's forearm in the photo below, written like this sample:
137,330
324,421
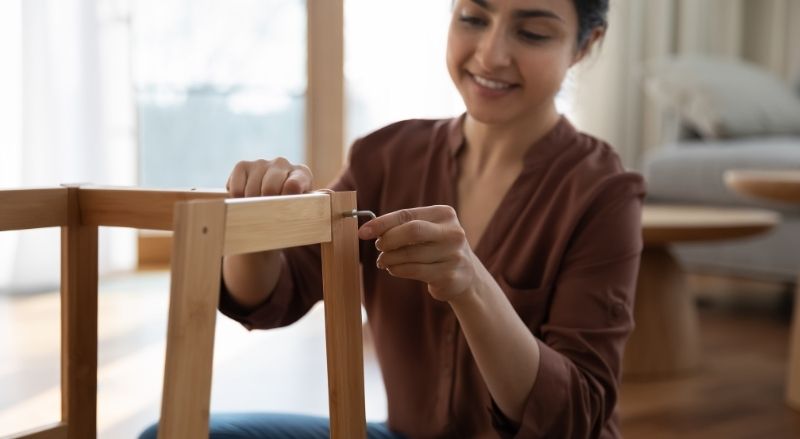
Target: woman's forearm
504,348
250,278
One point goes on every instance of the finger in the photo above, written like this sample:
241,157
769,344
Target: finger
272,183
255,172
421,272
298,181
237,180
413,254
410,233
377,227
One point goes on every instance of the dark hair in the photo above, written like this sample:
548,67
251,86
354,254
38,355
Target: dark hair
591,14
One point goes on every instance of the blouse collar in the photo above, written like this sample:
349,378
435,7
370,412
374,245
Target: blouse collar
551,143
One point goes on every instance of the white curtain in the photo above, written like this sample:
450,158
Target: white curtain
71,122
608,96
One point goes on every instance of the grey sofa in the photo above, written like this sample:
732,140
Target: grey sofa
691,172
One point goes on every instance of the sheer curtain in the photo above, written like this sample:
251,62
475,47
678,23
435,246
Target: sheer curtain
69,120
608,96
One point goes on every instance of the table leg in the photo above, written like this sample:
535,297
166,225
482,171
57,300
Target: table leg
665,341
793,377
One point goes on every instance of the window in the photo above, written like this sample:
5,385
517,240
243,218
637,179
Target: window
395,63
215,83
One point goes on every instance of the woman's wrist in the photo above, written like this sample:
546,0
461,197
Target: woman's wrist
472,296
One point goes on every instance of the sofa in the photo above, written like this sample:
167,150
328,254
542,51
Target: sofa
730,115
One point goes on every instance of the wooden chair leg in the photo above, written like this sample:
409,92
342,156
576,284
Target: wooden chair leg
194,295
342,295
78,323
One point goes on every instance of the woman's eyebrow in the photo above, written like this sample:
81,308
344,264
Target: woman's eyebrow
521,13
536,13
484,4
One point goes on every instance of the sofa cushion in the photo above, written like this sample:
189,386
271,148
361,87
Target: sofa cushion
692,172
724,98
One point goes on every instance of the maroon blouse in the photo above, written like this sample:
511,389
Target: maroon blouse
564,246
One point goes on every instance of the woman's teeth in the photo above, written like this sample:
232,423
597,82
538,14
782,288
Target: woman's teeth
488,83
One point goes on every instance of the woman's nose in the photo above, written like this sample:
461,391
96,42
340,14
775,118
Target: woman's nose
493,51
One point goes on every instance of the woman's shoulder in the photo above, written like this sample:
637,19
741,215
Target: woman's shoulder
595,167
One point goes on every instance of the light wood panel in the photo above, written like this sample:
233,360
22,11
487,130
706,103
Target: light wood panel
325,103
666,224
78,323
781,186
343,336
136,208
267,223
194,296
33,208
58,431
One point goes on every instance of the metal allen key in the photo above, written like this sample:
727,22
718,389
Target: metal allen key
357,213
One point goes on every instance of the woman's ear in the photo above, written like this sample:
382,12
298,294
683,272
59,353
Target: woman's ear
595,37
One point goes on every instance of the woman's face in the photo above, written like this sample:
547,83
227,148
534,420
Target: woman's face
508,57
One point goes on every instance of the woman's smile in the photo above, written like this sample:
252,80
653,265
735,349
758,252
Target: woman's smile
487,87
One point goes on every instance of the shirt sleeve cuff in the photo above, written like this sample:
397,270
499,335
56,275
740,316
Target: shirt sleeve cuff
545,404
268,314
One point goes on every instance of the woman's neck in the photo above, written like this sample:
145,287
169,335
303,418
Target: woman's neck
492,146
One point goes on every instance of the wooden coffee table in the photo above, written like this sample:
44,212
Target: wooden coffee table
665,341
784,187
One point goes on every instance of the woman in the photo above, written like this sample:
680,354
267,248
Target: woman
500,283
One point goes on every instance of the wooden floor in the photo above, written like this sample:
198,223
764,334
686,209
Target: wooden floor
739,390
738,393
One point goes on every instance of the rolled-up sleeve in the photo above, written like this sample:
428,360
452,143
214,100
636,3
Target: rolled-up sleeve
590,317
298,288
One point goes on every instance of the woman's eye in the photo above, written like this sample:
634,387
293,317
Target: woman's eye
472,20
530,36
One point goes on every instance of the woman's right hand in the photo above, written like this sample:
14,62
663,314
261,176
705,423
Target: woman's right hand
251,277
269,177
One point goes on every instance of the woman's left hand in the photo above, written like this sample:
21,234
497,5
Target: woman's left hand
426,244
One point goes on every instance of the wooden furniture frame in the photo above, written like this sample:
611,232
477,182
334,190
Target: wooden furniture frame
206,226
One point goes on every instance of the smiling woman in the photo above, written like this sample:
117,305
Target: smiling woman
499,285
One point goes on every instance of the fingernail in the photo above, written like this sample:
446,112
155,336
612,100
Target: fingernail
378,264
378,244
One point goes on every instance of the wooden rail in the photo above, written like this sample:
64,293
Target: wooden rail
33,208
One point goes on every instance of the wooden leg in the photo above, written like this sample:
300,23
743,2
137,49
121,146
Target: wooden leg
793,379
342,295
665,341
194,296
78,323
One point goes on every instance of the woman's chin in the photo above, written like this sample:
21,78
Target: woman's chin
489,116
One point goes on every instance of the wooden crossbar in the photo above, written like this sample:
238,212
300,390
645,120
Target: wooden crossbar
207,226
136,208
277,222
33,208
